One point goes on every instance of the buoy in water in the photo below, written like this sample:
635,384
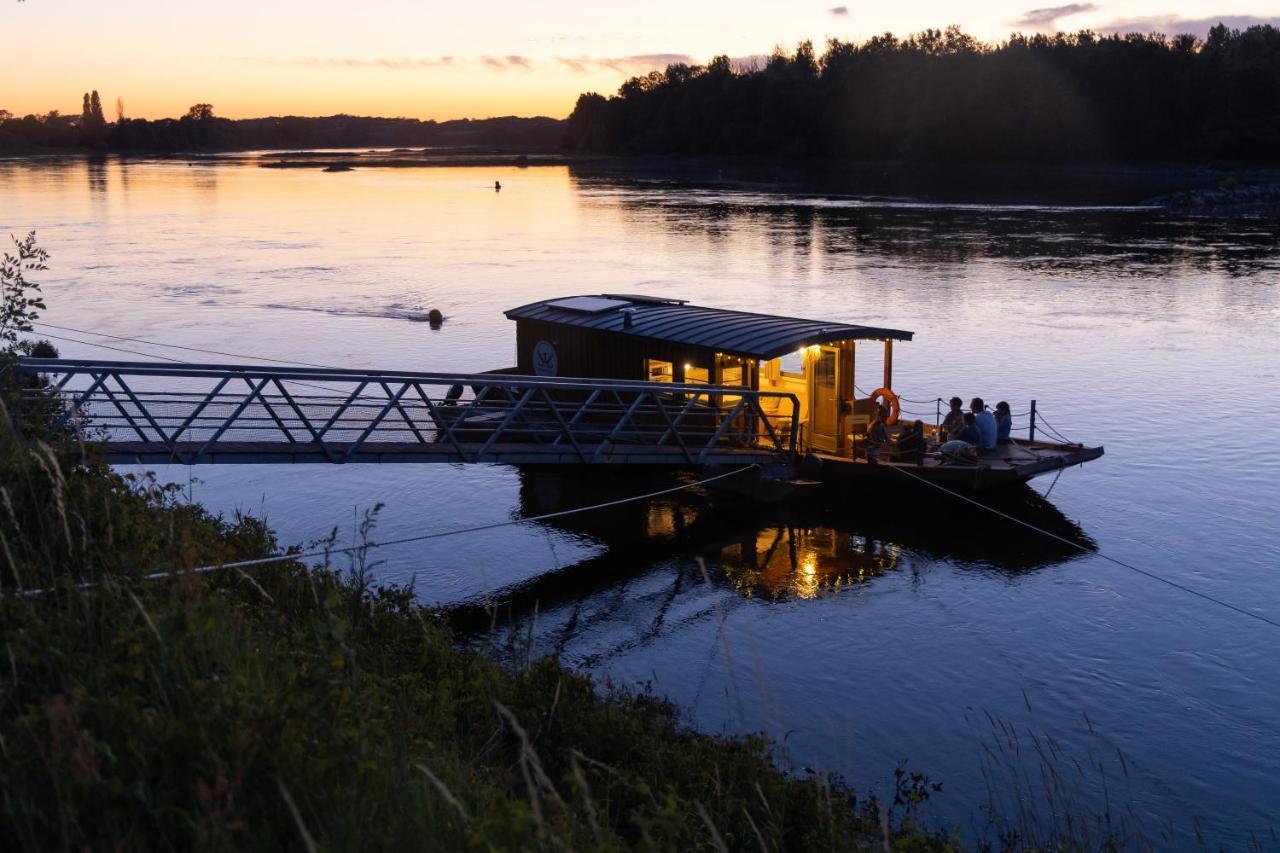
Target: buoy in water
497,186
435,318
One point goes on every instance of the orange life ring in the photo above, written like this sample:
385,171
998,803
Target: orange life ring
890,400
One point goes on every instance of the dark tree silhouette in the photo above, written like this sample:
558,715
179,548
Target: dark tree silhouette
200,130
943,96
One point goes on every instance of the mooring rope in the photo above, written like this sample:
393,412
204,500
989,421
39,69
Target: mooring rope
1144,572
169,346
113,349
438,534
178,346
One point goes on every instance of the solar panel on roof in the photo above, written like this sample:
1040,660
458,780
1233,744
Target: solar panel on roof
645,300
588,304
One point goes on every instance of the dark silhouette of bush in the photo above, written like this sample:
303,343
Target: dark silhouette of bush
941,95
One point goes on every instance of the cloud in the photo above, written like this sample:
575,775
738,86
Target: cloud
396,62
839,11
1047,18
635,64
506,63
1174,24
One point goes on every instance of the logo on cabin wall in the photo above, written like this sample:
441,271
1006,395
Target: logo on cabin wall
545,362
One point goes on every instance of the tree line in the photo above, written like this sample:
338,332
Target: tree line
201,130
942,95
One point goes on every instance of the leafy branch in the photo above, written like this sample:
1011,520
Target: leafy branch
20,299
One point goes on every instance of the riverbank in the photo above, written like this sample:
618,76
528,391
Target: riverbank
1222,188
287,707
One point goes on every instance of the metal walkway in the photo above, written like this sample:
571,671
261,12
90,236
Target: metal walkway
216,413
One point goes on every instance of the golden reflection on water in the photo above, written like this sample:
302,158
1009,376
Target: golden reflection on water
667,519
800,562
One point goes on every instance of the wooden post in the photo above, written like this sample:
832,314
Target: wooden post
1032,434
888,363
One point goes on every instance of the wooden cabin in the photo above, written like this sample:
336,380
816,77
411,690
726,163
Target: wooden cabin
620,336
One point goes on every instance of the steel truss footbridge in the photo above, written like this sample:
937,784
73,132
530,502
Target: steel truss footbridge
149,413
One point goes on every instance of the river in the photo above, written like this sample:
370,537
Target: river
870,629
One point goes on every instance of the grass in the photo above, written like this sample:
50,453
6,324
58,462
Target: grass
305,708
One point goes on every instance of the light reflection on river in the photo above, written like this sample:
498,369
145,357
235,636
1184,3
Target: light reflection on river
865,630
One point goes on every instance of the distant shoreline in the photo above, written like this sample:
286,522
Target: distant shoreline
1175,184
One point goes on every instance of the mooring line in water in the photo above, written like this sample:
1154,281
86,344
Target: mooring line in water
179,346
113,349
172,346
1144,572
439,534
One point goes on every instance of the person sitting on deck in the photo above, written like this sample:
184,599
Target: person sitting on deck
986,424
954,421
1004,423
964,447
877,433
969,433
911,442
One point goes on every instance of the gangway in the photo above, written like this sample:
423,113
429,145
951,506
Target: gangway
149,413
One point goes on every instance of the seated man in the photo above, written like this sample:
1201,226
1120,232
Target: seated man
986,424
954,421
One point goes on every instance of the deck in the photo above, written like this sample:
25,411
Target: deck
1011,463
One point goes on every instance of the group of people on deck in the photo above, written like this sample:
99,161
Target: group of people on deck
977,430
962,435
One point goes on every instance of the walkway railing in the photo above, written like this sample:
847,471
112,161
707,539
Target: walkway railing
194,413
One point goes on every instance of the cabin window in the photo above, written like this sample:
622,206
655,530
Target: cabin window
696,375
659,371
732,370
792,364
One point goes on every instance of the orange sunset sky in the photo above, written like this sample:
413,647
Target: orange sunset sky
452,60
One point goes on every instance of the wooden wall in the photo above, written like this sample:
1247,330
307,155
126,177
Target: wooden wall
591,354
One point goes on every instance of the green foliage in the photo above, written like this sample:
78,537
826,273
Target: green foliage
943,96
282,706
20,301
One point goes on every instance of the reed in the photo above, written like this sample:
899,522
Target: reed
304,707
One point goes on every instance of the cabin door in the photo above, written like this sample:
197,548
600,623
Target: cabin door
824,400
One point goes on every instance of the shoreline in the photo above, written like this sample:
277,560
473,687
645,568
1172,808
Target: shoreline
1168,185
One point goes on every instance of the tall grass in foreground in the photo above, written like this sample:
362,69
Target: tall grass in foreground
297,708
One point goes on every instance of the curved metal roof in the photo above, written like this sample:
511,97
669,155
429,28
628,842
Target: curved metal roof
741,333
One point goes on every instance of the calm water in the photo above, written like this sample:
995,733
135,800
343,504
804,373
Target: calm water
865,629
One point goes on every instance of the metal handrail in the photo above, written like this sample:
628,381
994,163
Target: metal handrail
476,415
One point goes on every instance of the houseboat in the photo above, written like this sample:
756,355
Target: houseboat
650,339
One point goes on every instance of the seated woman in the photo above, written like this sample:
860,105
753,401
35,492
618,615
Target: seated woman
877,433
1004,423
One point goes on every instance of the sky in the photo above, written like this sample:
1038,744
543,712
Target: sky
443,60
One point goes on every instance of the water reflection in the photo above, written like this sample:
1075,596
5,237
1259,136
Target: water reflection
682,543
803,562
96,173
818,229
